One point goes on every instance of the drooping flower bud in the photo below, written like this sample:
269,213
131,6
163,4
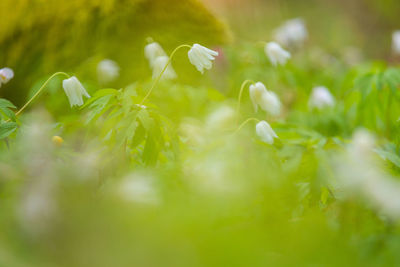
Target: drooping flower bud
267,100
265,132
276,54
152,51
201,57
159,65
292,33
74,91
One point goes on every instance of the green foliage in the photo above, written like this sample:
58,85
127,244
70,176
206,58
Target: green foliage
7,127
174,181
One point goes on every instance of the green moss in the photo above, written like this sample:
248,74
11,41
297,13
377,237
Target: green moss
42,37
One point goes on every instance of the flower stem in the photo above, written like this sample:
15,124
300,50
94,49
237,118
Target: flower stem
162,72
240,97
245,122
39,91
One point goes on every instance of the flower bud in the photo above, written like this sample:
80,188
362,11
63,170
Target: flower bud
321,98
6,74
107,71
265,132
74,91
276,54
267,100
396,42
152,51
292,33
159,65
201,57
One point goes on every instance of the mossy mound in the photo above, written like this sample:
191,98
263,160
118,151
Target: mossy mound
41,37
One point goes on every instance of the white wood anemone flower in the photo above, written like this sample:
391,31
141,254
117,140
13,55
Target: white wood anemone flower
6,74
396,42
293,33
74,91
152,51
276,54
159,65
107,71
201,57
320,98
265,132
267,100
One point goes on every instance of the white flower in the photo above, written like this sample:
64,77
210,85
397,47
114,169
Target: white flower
107,70
141,106
159,65
396,42
267,100
292,33
321,98
74,91
153,51
358,171
139,188
221,119
276,54
201,57
6,74
265,132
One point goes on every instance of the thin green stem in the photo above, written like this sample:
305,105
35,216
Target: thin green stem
244,124
162,72
240,97
39,91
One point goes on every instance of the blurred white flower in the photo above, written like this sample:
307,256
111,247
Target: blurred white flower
362,144
38,206
292,33
191,132
359,172
152,51
276,54
222,118
201,57
107,71
267,100
352,55
265,132
74,91
6,74
396,42
138,188
321,98
141,106
158,66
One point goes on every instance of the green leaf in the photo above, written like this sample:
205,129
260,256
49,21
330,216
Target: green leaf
145,119
364,84
390,156
392,78
100,94
8,113
4,103
7,128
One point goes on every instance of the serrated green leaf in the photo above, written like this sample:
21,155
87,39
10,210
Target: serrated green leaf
8,113
364,84
390,156
4,103
7,128
100,94
145,119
